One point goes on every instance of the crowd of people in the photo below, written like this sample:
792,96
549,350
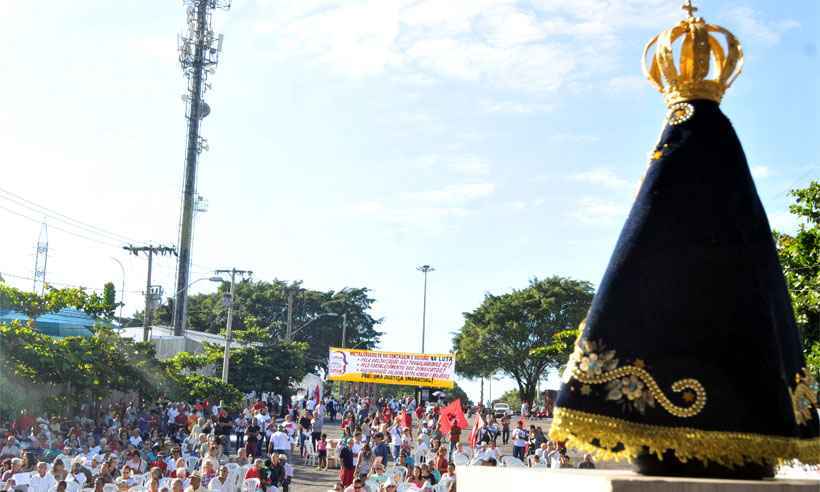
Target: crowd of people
179,447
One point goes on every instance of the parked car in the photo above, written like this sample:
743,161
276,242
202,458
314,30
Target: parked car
501,409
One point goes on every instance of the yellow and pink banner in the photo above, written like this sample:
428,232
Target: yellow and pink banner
403,368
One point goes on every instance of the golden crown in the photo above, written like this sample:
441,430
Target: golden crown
701,56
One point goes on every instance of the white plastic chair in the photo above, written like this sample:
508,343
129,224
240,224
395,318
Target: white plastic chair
192,463
371,485
393,470
109,487
460,459
250,485
312,457
512,461
444,485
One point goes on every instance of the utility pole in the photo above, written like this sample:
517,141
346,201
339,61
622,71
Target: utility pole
151,250
198,54
289,327
425,269
481,397
226,359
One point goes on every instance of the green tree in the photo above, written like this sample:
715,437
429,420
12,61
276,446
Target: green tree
263,306
59,374
800,258
512,398
109,300
522,333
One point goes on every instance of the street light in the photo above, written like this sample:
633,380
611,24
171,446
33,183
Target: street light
122,290
425,269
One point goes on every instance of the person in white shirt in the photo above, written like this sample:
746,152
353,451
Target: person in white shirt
542,451
11,449
41,480
220,483
280,442
135,439
519,440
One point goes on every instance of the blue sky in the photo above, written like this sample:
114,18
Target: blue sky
352,141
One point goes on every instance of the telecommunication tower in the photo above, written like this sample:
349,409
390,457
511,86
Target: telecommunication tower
41,261
199,50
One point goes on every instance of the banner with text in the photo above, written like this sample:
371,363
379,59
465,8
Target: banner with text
370,366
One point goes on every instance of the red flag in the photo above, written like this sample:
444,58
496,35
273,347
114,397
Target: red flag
479,423
449,413
317,395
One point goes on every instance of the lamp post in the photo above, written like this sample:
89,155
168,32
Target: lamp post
122,290
425,269
229,301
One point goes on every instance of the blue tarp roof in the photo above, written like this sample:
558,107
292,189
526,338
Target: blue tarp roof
67,322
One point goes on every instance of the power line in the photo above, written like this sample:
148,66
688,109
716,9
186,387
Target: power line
67,231
60,217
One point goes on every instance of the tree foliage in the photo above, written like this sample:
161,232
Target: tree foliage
261,308
522,333
62,374
511,398
35,305
800,258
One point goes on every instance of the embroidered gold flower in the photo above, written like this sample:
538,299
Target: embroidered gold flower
591,358
631,393
631,386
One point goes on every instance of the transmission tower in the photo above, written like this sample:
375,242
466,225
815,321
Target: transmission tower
41,261
199,50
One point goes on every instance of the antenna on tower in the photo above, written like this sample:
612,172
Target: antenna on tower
199,49
41,261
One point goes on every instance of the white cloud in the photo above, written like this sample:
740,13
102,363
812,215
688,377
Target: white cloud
516,205
463,165
761,172
470,166
783,222
601,177
628,83
748,23
515,107
594,211
534,47
573,138
459,193
431,210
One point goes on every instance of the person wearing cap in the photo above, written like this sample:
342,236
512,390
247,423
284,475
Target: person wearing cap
196,483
